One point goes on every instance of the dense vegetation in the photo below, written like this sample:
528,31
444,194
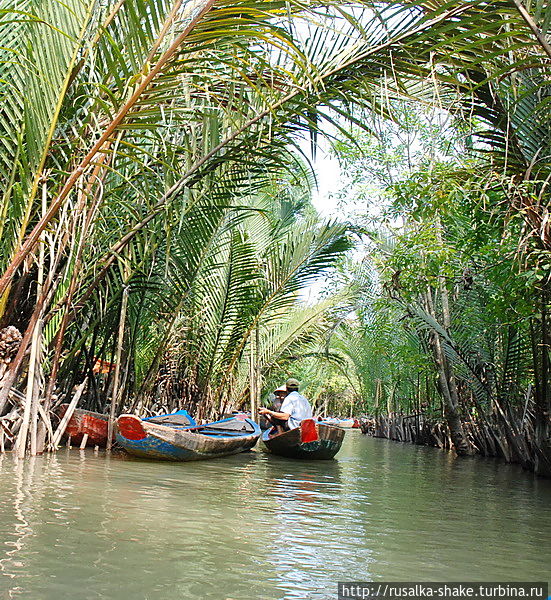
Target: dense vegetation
156,227
452,318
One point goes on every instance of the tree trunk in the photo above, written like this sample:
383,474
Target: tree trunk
117,393
542,429
447,386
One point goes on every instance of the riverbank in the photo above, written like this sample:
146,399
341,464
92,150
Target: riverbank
512,442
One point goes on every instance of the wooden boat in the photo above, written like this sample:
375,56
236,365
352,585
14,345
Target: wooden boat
85,422
172,441
351,423
312,440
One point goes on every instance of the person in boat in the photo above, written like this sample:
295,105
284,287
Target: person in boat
294,408
267,422
279,397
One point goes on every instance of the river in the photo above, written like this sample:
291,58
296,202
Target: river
84,525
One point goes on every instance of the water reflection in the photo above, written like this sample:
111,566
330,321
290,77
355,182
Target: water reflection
255,526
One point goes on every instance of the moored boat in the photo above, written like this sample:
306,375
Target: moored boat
312,441
85,422
169,440
351,423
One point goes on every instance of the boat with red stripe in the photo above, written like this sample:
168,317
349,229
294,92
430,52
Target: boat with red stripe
310,441
177,437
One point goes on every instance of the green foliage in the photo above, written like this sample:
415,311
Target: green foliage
151,146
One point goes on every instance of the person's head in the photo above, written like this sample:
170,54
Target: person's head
292,385
281,392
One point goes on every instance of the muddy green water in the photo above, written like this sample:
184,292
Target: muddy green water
251,527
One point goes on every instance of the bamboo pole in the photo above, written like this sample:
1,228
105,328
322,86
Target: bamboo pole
95,178
252,391
46,427
37,384
116,382
37,435
67,416
254,373
21,444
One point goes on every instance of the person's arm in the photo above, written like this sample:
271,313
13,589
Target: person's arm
274,413
287,408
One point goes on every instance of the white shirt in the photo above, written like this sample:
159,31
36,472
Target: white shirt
298,407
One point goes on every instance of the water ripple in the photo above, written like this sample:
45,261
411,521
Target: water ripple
257,527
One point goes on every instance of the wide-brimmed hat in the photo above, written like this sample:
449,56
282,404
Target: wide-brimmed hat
292,383
281,388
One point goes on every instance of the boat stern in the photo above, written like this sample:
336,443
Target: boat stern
308,431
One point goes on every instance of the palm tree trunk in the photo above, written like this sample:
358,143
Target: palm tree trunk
542,424
447,385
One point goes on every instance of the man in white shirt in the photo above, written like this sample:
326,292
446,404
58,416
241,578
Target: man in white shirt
294,408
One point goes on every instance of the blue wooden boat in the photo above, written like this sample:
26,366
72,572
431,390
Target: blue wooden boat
169,439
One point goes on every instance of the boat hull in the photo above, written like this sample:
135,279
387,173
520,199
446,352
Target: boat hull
85,422
348,424
310,441
159,442
344,423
